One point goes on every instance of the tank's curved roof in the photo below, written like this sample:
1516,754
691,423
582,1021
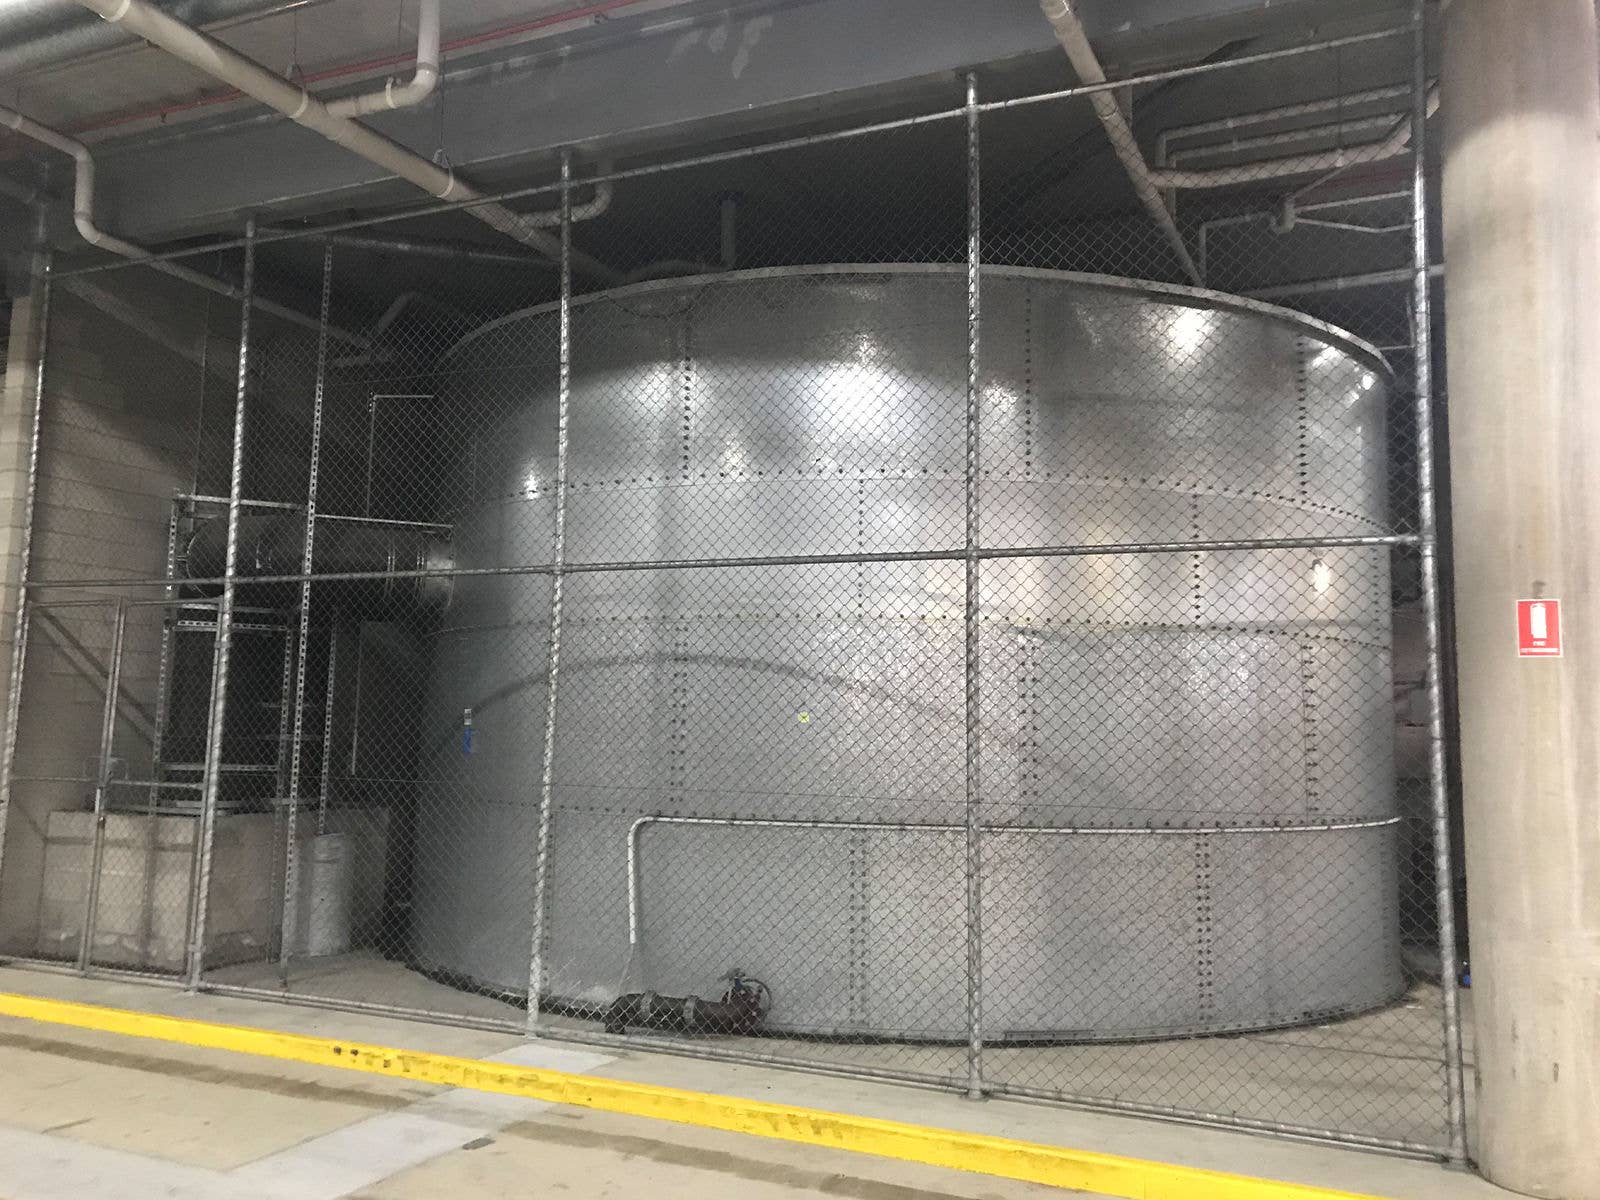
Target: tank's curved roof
1151,289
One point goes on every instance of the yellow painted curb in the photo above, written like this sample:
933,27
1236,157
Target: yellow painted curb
1083,1170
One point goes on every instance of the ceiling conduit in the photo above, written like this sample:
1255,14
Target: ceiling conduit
1398,142
415,90
83,219
1150,184
222,62
1069,32
24,51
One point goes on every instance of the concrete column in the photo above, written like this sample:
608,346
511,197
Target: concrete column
1521,107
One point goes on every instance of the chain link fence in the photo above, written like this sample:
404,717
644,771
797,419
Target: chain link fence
908,600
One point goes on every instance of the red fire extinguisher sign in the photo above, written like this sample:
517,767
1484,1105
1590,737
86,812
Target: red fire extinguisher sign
1539,628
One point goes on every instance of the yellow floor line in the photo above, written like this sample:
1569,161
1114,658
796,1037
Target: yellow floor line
1083,1170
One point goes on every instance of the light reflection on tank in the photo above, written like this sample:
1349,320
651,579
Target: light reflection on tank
819,411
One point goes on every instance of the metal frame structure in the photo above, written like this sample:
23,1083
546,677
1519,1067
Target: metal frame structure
974,828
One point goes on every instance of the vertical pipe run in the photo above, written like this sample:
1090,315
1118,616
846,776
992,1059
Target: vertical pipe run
19,629
102,780
973,867
1438,795
291,848
212,780
558,557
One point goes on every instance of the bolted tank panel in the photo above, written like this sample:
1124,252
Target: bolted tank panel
763,766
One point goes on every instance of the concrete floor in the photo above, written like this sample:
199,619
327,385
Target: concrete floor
86,1114
1379,1074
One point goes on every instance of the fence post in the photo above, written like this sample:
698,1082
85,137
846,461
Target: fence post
973,857
19,629
1422,337
536,965
211,783
102,780
291,861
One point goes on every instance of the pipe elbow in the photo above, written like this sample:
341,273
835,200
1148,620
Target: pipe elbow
83,222
415,90
395,94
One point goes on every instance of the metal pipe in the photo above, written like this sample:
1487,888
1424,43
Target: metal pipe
558,553
77,41
1438,793
205,53
90,778
803,141
595,206
291,870
1203,68
1397,143
372,437
972,858
273,543
24,553
83,221
108,732
1340,283
1353,226
290,506
1070,33
455,252
1381,123
220,661
416,89
545,21
1264,116
639,823
797,560
1204,235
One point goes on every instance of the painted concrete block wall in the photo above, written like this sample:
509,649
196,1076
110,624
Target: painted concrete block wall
141,377
144,889
135,370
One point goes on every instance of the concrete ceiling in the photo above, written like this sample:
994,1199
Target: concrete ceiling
640,74
122,91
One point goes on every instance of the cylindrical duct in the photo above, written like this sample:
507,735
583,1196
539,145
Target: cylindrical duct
270,544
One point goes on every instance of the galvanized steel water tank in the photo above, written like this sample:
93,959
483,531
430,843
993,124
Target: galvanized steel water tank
1166,738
